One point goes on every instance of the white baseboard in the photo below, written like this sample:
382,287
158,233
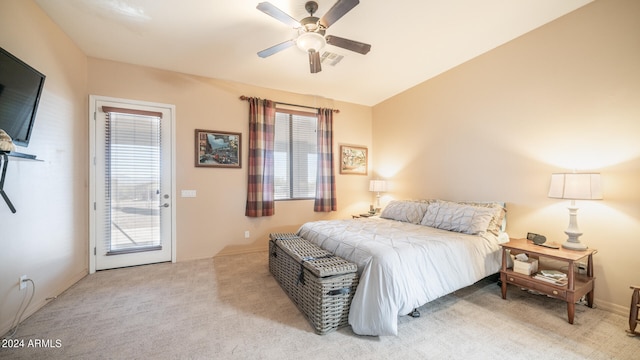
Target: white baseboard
611,307
240,251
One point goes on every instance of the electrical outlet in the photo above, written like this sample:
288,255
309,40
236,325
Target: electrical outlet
247,234
23,282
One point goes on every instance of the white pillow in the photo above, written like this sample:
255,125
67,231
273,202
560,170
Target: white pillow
499,221
461,218
405,210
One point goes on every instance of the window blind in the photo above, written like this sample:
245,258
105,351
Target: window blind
133,186
295,155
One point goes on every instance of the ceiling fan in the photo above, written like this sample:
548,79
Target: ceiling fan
311,31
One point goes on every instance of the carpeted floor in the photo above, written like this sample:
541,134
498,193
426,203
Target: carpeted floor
230,307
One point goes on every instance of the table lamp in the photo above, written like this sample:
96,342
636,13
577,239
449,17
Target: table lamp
377,186
575,186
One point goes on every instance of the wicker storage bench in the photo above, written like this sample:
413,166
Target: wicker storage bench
319,283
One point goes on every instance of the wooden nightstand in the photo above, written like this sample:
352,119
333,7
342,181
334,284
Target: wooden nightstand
578,284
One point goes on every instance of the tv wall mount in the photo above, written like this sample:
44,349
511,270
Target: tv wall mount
4,160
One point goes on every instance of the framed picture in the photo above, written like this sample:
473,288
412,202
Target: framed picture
218,149
353,160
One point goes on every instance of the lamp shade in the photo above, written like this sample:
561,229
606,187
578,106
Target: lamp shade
377,185
574,186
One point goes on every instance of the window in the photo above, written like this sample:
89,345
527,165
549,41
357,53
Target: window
295,155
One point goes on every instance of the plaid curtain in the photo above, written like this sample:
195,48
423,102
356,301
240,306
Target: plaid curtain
325,182
260,188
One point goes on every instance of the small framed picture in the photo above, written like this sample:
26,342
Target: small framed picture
353,160
218,149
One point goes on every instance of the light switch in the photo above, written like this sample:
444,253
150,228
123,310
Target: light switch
188,193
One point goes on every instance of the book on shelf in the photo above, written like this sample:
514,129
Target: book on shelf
552,280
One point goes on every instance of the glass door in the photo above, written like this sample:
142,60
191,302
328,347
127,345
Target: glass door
133,192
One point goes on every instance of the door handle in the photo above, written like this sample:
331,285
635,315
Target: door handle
164,205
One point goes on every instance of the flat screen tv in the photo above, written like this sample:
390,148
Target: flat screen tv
20,90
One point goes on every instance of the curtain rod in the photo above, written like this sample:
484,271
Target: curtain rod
242,97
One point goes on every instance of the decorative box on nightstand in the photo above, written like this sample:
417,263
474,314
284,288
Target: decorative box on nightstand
528,267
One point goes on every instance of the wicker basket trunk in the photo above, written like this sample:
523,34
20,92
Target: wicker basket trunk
319,283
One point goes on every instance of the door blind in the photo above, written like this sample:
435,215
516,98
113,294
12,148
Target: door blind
133,174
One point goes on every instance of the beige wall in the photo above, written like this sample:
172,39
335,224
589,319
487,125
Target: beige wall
213,223
562,97
47,238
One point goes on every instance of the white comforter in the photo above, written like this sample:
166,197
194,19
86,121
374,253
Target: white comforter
402,266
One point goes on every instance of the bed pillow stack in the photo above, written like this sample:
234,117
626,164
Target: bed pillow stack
465,217
498,222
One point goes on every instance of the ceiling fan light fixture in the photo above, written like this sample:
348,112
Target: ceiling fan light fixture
311,31
310,41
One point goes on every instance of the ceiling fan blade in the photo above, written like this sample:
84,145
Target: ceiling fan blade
276,48
314,61
352,45
271,10
337,11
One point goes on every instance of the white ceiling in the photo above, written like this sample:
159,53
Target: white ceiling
411,40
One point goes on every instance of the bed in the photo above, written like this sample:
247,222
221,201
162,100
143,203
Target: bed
415,252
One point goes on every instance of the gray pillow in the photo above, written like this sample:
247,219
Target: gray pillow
410,211
467,219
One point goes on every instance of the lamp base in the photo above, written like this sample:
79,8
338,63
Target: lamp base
573,233
574,246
